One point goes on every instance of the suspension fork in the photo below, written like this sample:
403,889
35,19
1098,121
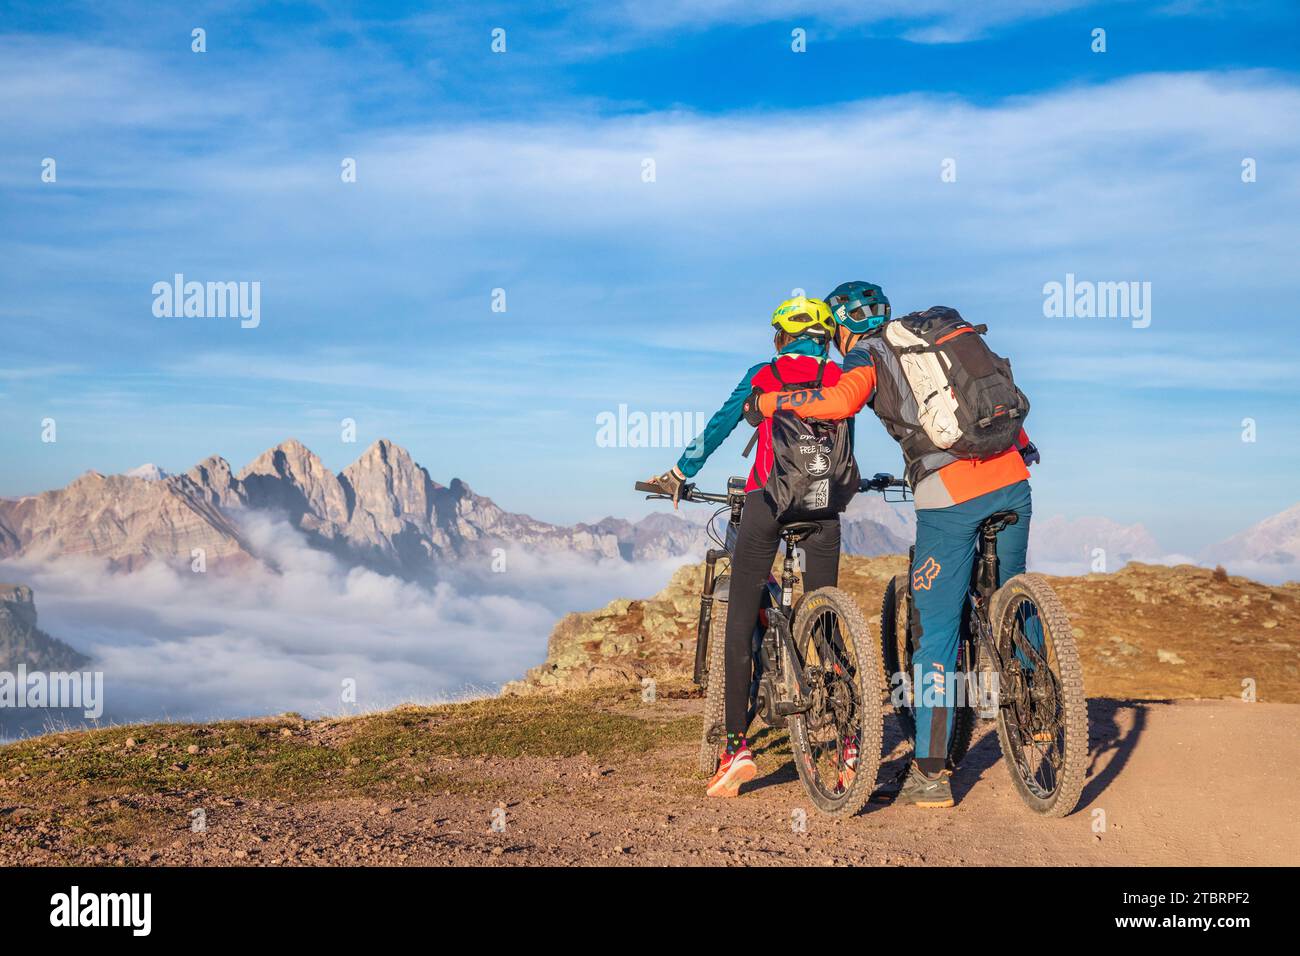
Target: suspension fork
706,613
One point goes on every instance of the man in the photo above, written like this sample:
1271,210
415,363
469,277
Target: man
802,337
953,496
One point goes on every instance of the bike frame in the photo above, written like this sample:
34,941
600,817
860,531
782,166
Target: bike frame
779,689
773,647
977,650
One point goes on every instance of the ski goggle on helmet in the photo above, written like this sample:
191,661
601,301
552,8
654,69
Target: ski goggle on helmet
803,316
859,306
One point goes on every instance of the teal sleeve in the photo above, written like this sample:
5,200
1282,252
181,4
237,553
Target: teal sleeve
722,424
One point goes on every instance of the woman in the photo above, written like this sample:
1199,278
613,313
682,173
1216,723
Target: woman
804,331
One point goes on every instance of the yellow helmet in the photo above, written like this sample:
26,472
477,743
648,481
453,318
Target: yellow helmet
804,316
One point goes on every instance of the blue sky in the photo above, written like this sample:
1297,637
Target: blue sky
774,170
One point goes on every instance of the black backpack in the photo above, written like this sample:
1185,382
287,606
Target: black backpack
956,395
814,474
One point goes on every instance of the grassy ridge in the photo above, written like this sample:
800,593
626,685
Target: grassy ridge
287,756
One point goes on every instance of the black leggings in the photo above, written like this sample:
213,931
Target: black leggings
756,546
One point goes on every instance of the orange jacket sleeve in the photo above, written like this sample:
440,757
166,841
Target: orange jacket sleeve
842,400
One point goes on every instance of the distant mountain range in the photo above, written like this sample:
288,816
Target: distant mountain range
384,511
1272,542
1059,541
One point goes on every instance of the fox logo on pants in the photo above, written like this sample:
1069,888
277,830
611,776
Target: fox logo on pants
925,575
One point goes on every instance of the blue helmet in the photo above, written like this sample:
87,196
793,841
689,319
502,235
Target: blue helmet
859,306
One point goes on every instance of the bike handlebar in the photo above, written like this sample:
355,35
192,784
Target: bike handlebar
878,482
881,481
688,493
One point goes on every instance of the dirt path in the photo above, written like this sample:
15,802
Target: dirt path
1181,784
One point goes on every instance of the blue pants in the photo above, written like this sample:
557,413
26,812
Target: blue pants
946,545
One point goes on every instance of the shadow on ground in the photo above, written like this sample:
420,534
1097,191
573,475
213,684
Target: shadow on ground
1115,729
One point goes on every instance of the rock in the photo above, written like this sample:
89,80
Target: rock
1121,617
1124,647
22,642
628,640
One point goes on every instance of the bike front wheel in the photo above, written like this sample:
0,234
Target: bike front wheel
836,741
1042,714
715,684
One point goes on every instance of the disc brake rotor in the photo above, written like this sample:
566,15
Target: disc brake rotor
817,716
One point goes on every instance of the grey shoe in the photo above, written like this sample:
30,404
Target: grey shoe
922,791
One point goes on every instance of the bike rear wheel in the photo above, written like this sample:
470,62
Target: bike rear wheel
841,666
1042,714
715,683
896,654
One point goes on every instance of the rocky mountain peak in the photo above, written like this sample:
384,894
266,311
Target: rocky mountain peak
385,484
89,478
290,477
148,471
214,468
216,483
289,459
388,451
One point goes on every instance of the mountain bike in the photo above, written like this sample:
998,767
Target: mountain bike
1017,663
816,672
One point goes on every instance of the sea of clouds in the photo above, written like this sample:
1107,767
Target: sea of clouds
178,645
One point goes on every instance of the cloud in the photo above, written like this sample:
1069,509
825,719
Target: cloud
654,294
1079,178
922,21
1100,180
176,645
1270,572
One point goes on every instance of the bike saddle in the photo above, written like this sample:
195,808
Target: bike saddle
796,531
995,522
